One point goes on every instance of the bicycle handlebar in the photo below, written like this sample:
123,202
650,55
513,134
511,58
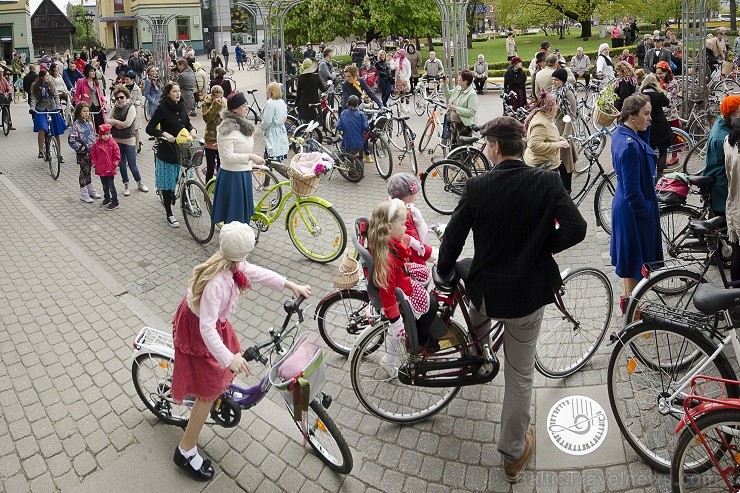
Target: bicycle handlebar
291,307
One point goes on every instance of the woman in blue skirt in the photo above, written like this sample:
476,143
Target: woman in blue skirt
233,200
171,116
44,99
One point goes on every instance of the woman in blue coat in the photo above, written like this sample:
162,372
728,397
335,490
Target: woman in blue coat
636,236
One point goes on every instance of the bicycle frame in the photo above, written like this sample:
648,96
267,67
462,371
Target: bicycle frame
272,215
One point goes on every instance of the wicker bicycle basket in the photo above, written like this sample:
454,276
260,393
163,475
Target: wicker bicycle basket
303,185
349,273
190,155
604,119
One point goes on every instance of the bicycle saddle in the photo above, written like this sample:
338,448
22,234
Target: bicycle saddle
476,128
701,181
709,299
252,91
331,140
706,226
467,140
403,117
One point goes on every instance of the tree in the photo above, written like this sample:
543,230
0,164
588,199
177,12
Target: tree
539,12
326,19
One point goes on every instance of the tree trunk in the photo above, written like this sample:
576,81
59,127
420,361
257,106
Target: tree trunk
585,28
733,8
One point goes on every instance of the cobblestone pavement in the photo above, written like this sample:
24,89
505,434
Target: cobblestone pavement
78,284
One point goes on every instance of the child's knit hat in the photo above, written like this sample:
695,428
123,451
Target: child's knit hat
105,128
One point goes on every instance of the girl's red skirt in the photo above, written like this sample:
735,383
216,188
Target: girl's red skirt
197,373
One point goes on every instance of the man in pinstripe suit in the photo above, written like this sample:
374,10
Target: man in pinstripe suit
520,216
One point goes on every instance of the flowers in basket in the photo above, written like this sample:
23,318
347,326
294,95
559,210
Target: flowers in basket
323,166
311,164
607,98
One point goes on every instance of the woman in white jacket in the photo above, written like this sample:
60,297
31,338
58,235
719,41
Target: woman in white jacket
233,200
400,63
273,125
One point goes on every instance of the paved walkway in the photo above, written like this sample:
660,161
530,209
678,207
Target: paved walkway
79,282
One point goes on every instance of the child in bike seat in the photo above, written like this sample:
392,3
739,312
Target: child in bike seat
405,186
207,348
353,124
388,243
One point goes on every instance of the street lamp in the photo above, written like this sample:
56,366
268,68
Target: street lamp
85,18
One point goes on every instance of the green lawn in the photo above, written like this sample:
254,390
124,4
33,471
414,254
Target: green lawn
495,49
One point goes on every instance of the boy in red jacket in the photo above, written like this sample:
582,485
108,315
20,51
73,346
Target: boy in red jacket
105,156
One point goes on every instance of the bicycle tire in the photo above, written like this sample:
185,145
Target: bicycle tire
693,163
291,124
152,377
719,429
329,120
147,116
378,389
196,211
383,157
726,87
426,136
674,227
54,158
582,129
699,128
317,217
263,181
248,63
420,104
650,433
411,148
471,158
342,317
603,201
680,146
325,438
671,287
564,346
6,120
350,167
301,132
442,185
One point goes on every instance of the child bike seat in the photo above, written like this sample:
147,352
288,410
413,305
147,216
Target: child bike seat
359,240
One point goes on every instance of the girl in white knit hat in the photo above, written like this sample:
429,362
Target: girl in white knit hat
207,348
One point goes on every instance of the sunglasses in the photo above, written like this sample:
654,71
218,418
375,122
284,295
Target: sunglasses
121,98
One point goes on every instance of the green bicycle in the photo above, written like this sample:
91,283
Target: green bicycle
314,226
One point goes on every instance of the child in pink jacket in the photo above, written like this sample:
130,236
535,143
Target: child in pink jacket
105,157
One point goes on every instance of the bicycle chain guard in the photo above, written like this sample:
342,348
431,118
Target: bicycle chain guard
226,412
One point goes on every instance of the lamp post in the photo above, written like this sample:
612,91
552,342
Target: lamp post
85,18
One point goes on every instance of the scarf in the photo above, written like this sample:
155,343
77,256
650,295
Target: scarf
232,122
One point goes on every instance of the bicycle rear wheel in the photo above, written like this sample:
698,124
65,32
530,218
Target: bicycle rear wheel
672,287
426,136
53,157
718,440
647,365
196,211
383,157
326,439
674,227
569,339
471,158
603,201
693,163
152,376
350,167
376,383
262,182
443,183
411,149
317,231
680,147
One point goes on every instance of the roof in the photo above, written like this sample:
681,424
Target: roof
49,8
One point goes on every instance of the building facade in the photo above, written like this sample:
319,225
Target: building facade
15,29
120,26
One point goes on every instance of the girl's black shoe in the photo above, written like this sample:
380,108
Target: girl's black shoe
205,473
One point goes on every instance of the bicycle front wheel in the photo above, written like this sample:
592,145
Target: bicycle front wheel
411,149
152,376
693,466
6,120
693,163
326,439
317,231
674,227
426,136
603,201
383,157
570,336
646,367
54,157
471,158
375,380
196,211
443,183
343,316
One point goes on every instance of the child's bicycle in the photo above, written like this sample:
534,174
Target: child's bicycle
424,383
153,362
194,200
707,455
314,226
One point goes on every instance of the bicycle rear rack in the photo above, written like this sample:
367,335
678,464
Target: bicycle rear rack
656,312
155,340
